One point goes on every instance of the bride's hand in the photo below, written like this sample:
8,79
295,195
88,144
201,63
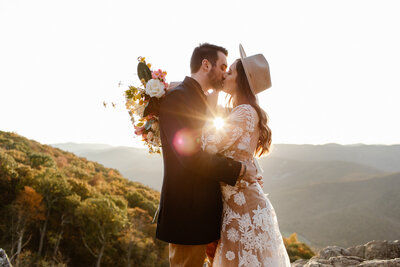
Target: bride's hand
260,181
251,174
213,99
172,85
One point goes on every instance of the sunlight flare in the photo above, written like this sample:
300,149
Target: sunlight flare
219,123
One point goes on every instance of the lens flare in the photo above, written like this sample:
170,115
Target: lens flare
186,142
219,123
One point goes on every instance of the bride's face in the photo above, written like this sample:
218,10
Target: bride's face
230,86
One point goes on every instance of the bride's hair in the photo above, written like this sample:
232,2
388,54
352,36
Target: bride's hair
244,92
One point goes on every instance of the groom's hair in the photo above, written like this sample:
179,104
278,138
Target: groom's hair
205,51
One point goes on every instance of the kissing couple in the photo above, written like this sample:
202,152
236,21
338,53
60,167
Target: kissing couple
211,192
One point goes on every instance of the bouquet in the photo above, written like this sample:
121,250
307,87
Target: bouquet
143,104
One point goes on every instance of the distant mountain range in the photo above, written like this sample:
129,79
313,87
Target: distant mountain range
329,194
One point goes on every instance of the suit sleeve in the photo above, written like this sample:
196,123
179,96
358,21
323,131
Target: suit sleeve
175,115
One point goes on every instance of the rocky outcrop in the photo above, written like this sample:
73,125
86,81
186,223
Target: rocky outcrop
4,261
372,254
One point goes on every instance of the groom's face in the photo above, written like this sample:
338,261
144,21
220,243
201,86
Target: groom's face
217,73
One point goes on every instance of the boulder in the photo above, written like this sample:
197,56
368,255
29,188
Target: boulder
346,261
381,263
372,254
377,249
4,261
332,251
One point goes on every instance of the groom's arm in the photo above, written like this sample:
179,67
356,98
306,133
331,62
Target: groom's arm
175,116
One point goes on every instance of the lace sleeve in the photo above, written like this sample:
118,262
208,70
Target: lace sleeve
240,120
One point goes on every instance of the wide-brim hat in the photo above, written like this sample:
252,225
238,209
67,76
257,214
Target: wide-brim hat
257,71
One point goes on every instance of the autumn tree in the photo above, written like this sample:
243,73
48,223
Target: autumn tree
26,209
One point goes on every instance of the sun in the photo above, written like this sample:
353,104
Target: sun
219,123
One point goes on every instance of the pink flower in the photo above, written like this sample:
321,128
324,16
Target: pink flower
139,130
159,74
154,75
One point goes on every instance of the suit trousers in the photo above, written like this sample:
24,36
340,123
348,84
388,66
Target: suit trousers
187,255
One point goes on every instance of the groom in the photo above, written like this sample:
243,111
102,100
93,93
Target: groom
191,203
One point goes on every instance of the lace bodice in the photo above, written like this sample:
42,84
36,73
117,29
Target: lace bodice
238,138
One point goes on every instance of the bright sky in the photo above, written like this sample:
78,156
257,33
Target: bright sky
335,65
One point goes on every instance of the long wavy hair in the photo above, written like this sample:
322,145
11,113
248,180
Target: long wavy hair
246,94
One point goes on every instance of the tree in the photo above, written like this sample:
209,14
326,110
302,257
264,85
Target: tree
41,159
66,210
8,178
54,188
100,220
27,208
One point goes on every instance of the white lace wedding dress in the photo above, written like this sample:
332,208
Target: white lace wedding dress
250,233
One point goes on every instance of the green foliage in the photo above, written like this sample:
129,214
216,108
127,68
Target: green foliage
8,178
39,159
137,199
143,71
76,207
131,92
100,217
7,166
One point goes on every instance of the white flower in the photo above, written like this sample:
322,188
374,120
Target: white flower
230,255
248,259
155,88
233,235
260,218
239,198
229,215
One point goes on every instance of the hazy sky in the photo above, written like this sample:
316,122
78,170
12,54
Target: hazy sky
335,65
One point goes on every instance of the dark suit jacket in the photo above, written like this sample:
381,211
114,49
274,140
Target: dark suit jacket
191,204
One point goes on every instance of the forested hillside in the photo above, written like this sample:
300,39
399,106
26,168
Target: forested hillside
61,210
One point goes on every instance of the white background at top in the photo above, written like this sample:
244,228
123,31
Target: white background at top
335,65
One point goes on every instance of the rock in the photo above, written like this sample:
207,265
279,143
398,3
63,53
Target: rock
318,263
393,249
381,263
376,249
332,251
372,254
358,251
4,261
340,261
299,263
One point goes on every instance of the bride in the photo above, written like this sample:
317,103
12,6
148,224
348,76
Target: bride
250,234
